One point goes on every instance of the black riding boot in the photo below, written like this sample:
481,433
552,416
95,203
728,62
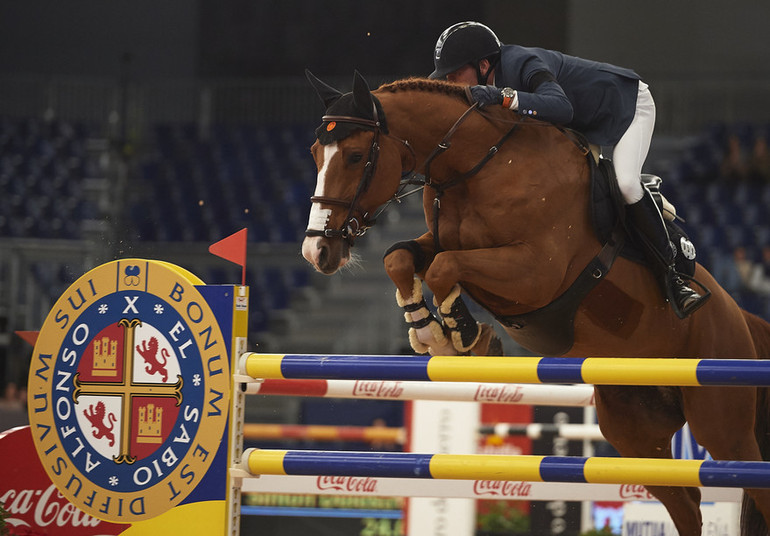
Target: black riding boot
651,230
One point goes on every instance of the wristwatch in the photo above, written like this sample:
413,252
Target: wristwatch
508,95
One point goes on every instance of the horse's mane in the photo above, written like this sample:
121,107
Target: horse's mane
450,89
425,84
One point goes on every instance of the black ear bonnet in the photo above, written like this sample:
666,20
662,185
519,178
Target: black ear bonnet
359,103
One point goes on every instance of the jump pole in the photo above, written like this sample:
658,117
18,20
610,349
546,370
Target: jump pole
493,393
397,435
569,370
592,470
315,432
479,489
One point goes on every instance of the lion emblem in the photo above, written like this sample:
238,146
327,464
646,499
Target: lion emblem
97,419
149,352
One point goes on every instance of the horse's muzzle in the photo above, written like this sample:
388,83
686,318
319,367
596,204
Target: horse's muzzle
327,255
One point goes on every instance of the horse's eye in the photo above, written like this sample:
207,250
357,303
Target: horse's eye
355,158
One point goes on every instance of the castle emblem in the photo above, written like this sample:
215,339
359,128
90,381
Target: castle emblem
105,357
150,421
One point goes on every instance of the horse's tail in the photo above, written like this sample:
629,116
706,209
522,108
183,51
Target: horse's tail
752,522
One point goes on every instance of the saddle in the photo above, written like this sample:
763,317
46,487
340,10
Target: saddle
550,330
607,208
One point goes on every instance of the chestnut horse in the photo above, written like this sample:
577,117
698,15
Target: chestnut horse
507,207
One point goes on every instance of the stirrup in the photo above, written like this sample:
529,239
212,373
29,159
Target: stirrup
674,277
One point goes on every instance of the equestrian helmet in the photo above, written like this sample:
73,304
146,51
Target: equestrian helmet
461,44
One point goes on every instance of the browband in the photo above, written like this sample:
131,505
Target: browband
351,119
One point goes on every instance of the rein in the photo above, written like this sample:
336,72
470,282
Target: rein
445,143
441,187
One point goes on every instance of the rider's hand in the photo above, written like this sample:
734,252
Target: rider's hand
487,95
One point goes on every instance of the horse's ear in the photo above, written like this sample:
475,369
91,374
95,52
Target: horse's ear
362,96
328,94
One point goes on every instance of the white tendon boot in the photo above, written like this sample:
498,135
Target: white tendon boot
464,329
425,332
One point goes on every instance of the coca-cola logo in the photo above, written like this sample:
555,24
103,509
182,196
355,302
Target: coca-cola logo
378,389
500,488
347,483
34,505
48,507
634,491
498,393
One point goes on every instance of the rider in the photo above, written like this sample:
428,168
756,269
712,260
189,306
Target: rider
609,105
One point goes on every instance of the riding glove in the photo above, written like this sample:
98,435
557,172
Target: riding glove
487,95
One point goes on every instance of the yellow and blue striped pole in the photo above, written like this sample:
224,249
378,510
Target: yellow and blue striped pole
594,470
591,370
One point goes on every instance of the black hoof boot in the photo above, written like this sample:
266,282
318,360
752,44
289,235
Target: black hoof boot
463,328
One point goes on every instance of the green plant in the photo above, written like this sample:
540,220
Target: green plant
3,527
502,518
600,532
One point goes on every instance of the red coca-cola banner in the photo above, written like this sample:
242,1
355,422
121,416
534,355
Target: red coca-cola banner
36,508
497,407
634,491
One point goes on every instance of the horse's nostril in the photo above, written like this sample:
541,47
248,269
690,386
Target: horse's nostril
323,255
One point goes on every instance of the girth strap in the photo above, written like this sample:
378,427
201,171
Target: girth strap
550,329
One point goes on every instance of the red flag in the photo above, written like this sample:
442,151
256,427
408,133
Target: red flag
28,336
233,249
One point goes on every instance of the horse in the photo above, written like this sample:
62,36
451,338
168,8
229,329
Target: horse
506,201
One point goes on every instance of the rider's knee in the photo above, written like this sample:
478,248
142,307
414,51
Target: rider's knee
630,189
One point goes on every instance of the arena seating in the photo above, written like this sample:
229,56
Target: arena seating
42,167
723,210
192,184
206,186
203,186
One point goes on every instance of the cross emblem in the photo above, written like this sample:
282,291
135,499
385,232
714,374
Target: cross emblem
127,389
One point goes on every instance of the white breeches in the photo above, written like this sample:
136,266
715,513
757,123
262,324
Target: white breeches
631,151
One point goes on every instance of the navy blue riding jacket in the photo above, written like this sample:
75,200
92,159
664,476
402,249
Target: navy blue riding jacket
596,99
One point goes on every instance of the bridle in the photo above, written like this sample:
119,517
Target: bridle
357,221
353,227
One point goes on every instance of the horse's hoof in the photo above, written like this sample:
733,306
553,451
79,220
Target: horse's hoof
489,344
495,346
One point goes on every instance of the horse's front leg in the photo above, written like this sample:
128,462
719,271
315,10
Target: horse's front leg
500,277
403,262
